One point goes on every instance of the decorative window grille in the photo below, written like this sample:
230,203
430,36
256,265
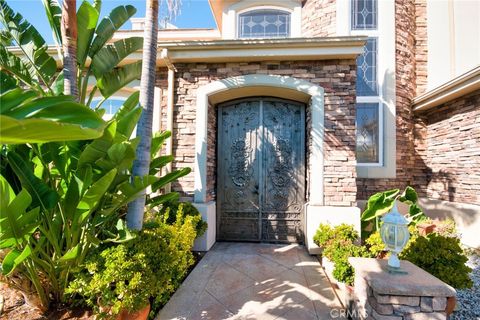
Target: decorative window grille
264,24
364,14
367,70
368,133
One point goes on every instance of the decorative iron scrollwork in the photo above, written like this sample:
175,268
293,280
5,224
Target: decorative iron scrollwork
240,169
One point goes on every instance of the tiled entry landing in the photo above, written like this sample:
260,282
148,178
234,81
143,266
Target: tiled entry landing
254,281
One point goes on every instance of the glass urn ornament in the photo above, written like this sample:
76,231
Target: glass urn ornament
395,235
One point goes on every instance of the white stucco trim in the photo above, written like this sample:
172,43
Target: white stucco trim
230,15
385,34
315,215
209,214
317,131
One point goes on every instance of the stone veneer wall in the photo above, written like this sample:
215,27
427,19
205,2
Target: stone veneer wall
405,87
448,151
337,77
421,46
319,18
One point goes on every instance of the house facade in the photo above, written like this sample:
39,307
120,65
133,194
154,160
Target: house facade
292,113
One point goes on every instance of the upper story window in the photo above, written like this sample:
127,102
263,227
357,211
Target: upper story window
265,23
367,69
364,14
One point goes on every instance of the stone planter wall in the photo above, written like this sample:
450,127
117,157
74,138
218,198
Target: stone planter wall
381,306
381,295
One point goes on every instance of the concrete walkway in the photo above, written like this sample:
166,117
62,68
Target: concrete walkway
254,281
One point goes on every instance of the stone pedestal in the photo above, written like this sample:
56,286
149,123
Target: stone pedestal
381,295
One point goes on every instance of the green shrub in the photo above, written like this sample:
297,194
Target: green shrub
338,245
375,245
343,270
146,269
187,209
441,256
326,233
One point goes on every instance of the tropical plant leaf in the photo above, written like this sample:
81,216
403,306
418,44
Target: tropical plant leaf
96,191
409,196
161,199
15,67
128,105
13,99
123,233
13,131
87,18
54,16
71,254
5,38
27,120
57,86
170,177
7,82
30,42
118,78
158,163
41,194
98,148
14,258
109,25
129,121
378,204
158,140
111,55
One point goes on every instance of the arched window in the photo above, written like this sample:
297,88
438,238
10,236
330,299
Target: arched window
264,23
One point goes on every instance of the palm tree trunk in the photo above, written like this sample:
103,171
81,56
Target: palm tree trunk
141,164
69,40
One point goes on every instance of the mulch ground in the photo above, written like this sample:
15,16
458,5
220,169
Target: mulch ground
14,307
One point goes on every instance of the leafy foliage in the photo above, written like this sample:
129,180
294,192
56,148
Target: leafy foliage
441,256
326,233
375,245
148,268
382,202
186,209
79,190
23,116
36,69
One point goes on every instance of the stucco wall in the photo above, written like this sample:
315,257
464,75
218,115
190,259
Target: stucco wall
337,77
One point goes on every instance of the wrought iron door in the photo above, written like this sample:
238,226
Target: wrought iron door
261,171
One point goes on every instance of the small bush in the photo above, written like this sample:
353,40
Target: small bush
343,270
146,269
338,245
187,209
375,245
326,233
441,256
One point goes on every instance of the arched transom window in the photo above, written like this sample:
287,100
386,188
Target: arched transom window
264,23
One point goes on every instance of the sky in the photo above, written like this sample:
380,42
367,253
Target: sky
193,13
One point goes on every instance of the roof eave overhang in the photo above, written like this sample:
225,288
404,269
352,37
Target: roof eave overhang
455,88
214,51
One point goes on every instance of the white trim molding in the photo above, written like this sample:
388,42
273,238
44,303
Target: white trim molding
230,14
253,80
386,98
457,87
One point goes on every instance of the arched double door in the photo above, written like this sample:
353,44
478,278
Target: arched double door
261,170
